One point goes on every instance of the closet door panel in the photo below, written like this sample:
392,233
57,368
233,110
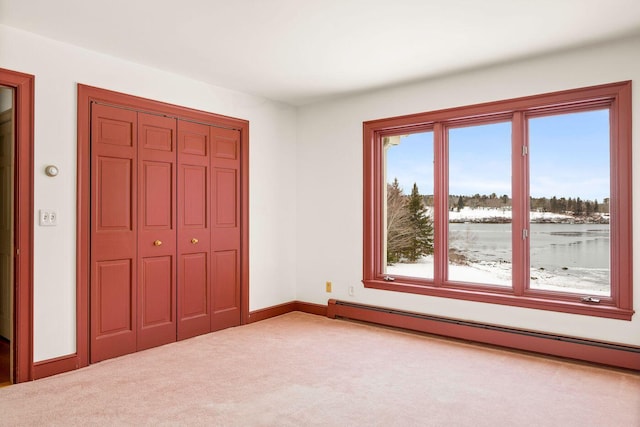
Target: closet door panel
194,239
225,240
157,230
113,254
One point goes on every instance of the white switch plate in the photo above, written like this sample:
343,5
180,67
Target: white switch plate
48,218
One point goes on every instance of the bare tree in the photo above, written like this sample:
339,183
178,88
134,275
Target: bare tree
399,227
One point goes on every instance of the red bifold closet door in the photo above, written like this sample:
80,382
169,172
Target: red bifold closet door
156,230
194,230
113,255
225,232
165,230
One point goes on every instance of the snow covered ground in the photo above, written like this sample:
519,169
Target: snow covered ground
593,281
482,214
577,280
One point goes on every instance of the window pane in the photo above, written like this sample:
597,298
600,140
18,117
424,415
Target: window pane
409,205
569,189
480,204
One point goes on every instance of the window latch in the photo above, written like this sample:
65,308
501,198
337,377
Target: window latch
388,279
591,300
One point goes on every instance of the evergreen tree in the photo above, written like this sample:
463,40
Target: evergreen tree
578,210
562,205
588,208
421,225
460,203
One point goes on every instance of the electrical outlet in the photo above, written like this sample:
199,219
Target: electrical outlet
53,217
48,218
352,291
328,286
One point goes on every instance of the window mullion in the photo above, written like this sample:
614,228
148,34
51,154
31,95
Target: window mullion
441,204
520,204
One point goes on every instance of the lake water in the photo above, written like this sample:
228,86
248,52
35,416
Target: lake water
570,257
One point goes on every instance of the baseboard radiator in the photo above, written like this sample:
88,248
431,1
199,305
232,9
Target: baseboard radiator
618,355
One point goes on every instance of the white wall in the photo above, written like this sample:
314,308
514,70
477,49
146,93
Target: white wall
305,181
58,68
329,238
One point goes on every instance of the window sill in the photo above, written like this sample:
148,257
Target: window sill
505,297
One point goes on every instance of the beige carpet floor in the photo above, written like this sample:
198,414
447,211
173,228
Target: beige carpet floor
306,370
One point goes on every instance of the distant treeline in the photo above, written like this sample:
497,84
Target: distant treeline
560,205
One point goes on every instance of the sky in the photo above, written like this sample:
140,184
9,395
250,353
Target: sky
568,155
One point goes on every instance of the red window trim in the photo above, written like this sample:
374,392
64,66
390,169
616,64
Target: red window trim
615,96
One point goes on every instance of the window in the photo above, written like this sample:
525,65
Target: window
523,202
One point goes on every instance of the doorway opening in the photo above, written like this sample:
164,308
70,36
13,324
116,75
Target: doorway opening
16,226
7,168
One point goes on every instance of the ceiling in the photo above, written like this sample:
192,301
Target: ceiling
304,51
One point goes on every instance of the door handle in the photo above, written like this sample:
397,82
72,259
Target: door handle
157,243
194,240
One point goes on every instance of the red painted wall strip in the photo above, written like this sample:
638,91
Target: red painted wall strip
547,346
307,307
273,311
58,365
288,307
